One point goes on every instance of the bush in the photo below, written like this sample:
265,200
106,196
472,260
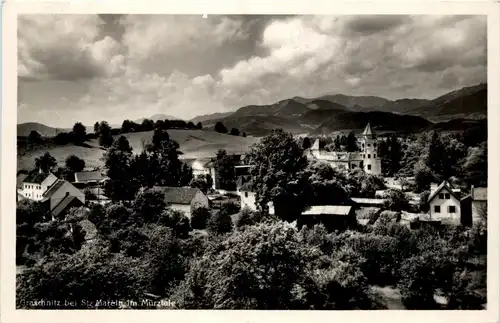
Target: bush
396,200
220,223
247,217
177,221
423,203
199,217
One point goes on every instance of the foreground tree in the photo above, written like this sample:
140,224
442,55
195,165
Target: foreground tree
278,174
224,166
121,184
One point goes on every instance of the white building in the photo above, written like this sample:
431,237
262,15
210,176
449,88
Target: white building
479,197
247,197
36,184
365,159
444,204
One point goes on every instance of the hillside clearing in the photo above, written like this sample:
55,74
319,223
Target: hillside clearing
193,144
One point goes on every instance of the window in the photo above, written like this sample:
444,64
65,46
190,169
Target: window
441,196
437,208
363,145
447,196
364,156
246,194
369,166
451,209
368,155
374,155
368,145
374,144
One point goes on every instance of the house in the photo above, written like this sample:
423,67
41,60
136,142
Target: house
61,196
331,216
93,177
183,199
96,195
366,158
36,184
247,196
444,204
474,206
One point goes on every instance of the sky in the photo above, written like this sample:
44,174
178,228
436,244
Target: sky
88,68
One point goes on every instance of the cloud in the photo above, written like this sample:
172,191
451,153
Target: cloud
130,66
65,48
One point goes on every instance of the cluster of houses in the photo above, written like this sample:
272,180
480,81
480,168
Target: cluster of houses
446,204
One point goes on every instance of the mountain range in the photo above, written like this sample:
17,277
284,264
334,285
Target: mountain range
336,112
330,113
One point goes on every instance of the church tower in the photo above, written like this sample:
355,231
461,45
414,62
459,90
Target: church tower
371,161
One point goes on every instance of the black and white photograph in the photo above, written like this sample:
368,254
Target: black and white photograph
251,162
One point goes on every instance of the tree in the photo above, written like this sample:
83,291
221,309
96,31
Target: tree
235,132
267,266
199,217
423,176
79,133
96,127
436,157
352,142
396,200
128,126
475,167
120,184
45,163
147,125
306,143
190,125
149,205
224,167
203,181
395,154
34,136
327,185
113,277
244,134
199,126
220,222
75,164
105,136
220,128
278,174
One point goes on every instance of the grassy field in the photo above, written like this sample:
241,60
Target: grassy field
193,144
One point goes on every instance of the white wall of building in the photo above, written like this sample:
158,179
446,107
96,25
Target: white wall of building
34,191
479,210
444,204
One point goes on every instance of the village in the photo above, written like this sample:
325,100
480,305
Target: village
446,204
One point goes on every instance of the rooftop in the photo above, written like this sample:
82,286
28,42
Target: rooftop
444,185
88,176
52,189
328,209
178,195
36,178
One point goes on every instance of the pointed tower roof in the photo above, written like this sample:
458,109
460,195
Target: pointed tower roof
315,146
368,130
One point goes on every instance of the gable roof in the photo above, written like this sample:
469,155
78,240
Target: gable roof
443,185
67,201
328,210
178,195
368,130
88,176
479,193
54,187
20,179
315,146
36,178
